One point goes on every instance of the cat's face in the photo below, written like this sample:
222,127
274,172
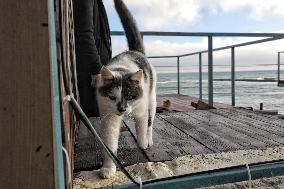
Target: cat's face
122,90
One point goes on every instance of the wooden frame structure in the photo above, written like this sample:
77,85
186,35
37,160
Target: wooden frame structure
35,123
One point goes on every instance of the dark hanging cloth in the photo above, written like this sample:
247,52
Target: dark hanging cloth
92,46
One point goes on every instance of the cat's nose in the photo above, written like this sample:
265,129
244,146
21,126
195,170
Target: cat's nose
122,106
121,109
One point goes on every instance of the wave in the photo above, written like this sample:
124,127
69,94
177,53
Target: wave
181,81
165,82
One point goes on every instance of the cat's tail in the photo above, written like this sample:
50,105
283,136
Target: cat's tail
132,33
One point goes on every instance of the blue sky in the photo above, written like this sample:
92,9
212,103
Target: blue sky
205,16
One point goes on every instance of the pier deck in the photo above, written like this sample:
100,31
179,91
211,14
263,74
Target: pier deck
186,132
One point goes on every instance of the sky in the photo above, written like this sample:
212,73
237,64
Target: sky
248,16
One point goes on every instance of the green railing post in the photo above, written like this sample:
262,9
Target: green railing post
200,75
233,75
58,153
210,71
280,83
278,64
178,75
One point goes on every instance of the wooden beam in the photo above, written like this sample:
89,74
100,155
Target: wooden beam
30,158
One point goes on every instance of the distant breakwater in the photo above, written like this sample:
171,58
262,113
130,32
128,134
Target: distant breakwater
250,80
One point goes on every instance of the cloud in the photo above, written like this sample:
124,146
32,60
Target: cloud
257,9
178,14
166,14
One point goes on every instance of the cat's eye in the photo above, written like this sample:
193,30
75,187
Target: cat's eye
135,82
112,97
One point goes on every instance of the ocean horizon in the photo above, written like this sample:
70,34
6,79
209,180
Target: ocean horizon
247,93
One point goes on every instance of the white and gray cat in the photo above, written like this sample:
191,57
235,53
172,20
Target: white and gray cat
127,87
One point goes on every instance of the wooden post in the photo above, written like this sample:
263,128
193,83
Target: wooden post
261,106
30,141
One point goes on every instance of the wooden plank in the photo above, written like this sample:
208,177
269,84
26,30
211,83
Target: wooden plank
232,130
196,132
169,142
128,150
88,154
176,103
26,139
271,119
67,133
200,132
269,112
274,133
268,121
183,102
258,137
251,131
68,123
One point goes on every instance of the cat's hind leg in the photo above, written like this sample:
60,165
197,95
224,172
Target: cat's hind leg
141,126
152,113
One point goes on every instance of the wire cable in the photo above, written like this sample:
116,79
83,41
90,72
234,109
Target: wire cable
88,124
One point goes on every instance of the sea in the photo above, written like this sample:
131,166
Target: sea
247,93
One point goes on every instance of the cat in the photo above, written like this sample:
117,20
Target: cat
127,86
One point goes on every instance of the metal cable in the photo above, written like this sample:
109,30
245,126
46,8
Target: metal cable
76,107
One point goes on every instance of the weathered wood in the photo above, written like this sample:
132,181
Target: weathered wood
183,102
205,131
69,120
178,104
26,110
169,142
200,132
200,105
251,131
88,154
265,128
230,129
68,132
128,151
269,112
273,120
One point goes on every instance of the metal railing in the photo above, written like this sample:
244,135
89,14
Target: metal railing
279,80
210,36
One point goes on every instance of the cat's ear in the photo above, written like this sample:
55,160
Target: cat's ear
137,77
105,77
106,73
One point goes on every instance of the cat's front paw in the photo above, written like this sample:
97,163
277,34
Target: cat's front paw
106,173
150,142
143,144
